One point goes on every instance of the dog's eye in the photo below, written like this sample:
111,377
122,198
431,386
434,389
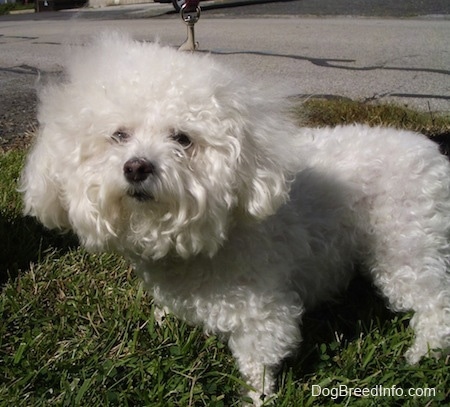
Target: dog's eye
121,136
182,139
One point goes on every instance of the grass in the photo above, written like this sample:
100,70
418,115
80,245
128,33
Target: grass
77,329
9,7
344,111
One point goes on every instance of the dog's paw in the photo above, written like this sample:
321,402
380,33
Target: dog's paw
255,399
160,315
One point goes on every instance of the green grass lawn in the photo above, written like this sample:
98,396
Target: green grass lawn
11,7
77,329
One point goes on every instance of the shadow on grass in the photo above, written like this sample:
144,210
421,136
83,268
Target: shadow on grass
25,241
443,140
353,314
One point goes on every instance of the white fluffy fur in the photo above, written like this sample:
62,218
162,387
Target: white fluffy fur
257,219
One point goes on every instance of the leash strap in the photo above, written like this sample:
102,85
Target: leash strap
191,5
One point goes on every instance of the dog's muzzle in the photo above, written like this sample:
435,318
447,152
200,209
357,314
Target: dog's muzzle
137,170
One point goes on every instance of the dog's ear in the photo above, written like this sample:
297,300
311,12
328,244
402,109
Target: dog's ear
265,187
267,193
42,194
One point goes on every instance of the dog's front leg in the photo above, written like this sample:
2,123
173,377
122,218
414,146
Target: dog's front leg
259,348
260,381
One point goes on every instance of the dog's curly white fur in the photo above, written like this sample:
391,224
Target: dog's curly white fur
235,218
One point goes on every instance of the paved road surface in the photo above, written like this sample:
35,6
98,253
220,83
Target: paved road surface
365,8
403,60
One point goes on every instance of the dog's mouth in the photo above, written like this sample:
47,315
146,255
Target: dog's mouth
140,194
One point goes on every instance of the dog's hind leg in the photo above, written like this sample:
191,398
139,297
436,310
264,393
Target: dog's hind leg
410,254
422,288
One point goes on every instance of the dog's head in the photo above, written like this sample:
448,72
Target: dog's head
147,150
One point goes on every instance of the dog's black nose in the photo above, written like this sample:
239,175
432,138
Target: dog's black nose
138,169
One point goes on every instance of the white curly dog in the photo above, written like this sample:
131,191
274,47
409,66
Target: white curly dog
235,218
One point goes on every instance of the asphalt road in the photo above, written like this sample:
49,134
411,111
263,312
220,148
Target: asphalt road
287,44
268,8
362,8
